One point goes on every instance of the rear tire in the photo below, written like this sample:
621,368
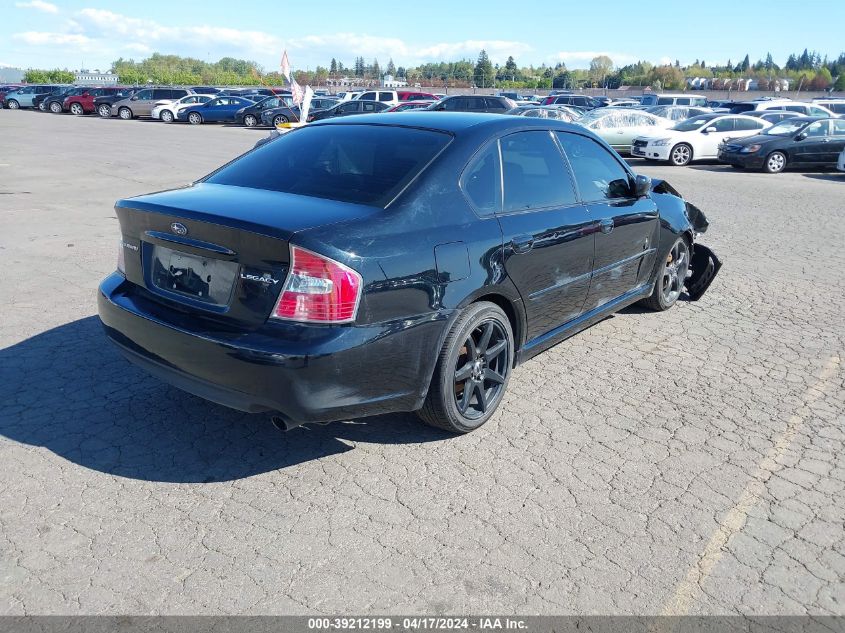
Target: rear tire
472,371
42,107
13,105
250,120
775,163
670,279
104,110
680,155
279,119
56,107
125,114
77,109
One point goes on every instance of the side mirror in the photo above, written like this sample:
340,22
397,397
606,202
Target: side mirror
709,129
642,185
135,98
801,136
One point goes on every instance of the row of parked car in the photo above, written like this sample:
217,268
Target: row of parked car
677,129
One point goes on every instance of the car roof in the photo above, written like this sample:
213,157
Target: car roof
451,122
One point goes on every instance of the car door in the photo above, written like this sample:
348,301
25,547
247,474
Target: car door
837,142
627,237
212,111
712,136
813,146
548,234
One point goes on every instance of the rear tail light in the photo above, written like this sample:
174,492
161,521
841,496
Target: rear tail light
318,290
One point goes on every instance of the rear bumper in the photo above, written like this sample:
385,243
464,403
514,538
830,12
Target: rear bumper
305,373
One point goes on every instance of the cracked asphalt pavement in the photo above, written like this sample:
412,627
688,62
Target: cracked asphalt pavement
685,462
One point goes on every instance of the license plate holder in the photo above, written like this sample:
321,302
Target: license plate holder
200,278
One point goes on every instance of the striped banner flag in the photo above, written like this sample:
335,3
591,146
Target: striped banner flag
285,66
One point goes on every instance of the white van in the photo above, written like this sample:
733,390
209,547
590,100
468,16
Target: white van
834,104
673,99
385,96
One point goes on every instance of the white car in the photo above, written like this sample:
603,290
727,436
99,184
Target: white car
841,164
167,109
619,126
807,109
697,138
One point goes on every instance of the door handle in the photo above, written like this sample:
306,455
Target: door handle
522,244
606,225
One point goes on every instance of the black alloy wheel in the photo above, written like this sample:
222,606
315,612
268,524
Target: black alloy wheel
472,371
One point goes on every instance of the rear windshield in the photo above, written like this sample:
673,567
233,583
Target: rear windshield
365,164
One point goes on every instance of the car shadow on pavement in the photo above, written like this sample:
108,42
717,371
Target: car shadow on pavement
68,390
836,176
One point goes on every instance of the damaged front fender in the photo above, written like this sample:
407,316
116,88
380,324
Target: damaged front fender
704,264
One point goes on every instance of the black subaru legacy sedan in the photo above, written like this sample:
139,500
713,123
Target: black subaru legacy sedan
368,264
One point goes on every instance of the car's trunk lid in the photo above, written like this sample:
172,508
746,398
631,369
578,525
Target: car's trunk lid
219,252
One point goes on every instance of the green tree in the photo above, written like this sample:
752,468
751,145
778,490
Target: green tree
511,69
600,67
391,68
333,66
376,70
483,73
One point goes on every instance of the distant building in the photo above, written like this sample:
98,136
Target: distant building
88,77
9,75
390,82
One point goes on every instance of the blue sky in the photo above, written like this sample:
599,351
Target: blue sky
66,34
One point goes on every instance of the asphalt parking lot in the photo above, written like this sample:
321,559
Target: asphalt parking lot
686,462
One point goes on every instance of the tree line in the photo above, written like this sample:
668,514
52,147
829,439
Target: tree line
808,69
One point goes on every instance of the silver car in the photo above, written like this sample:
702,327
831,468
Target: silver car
142,102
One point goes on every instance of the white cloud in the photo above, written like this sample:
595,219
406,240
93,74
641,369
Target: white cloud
38,5
583,58
40,38
665,61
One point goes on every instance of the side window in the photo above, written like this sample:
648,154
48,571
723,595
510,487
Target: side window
349,107
145,94
665,101
683,101
745,124
494,104
458,103
796,108
839,127
178,94
839,108
385,96
597,172
534,173
725,125
369,96
819,128
817,111
371,107
482,181
579,101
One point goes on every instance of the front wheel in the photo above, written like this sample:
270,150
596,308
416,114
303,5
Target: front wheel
166,116
680,155
670,280
775,163
125,114
194,118
76,108
472,371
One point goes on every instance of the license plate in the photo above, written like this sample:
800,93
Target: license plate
201,278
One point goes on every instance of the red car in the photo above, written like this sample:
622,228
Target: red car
415,96
84,103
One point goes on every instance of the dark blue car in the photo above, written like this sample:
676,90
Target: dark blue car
218,110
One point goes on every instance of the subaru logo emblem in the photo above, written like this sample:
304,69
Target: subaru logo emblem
179,228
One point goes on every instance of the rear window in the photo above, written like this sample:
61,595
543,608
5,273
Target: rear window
364,164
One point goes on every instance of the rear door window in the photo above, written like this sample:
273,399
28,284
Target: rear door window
385,96
365,164
534,174
838,127
368,96
727,124
747,124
